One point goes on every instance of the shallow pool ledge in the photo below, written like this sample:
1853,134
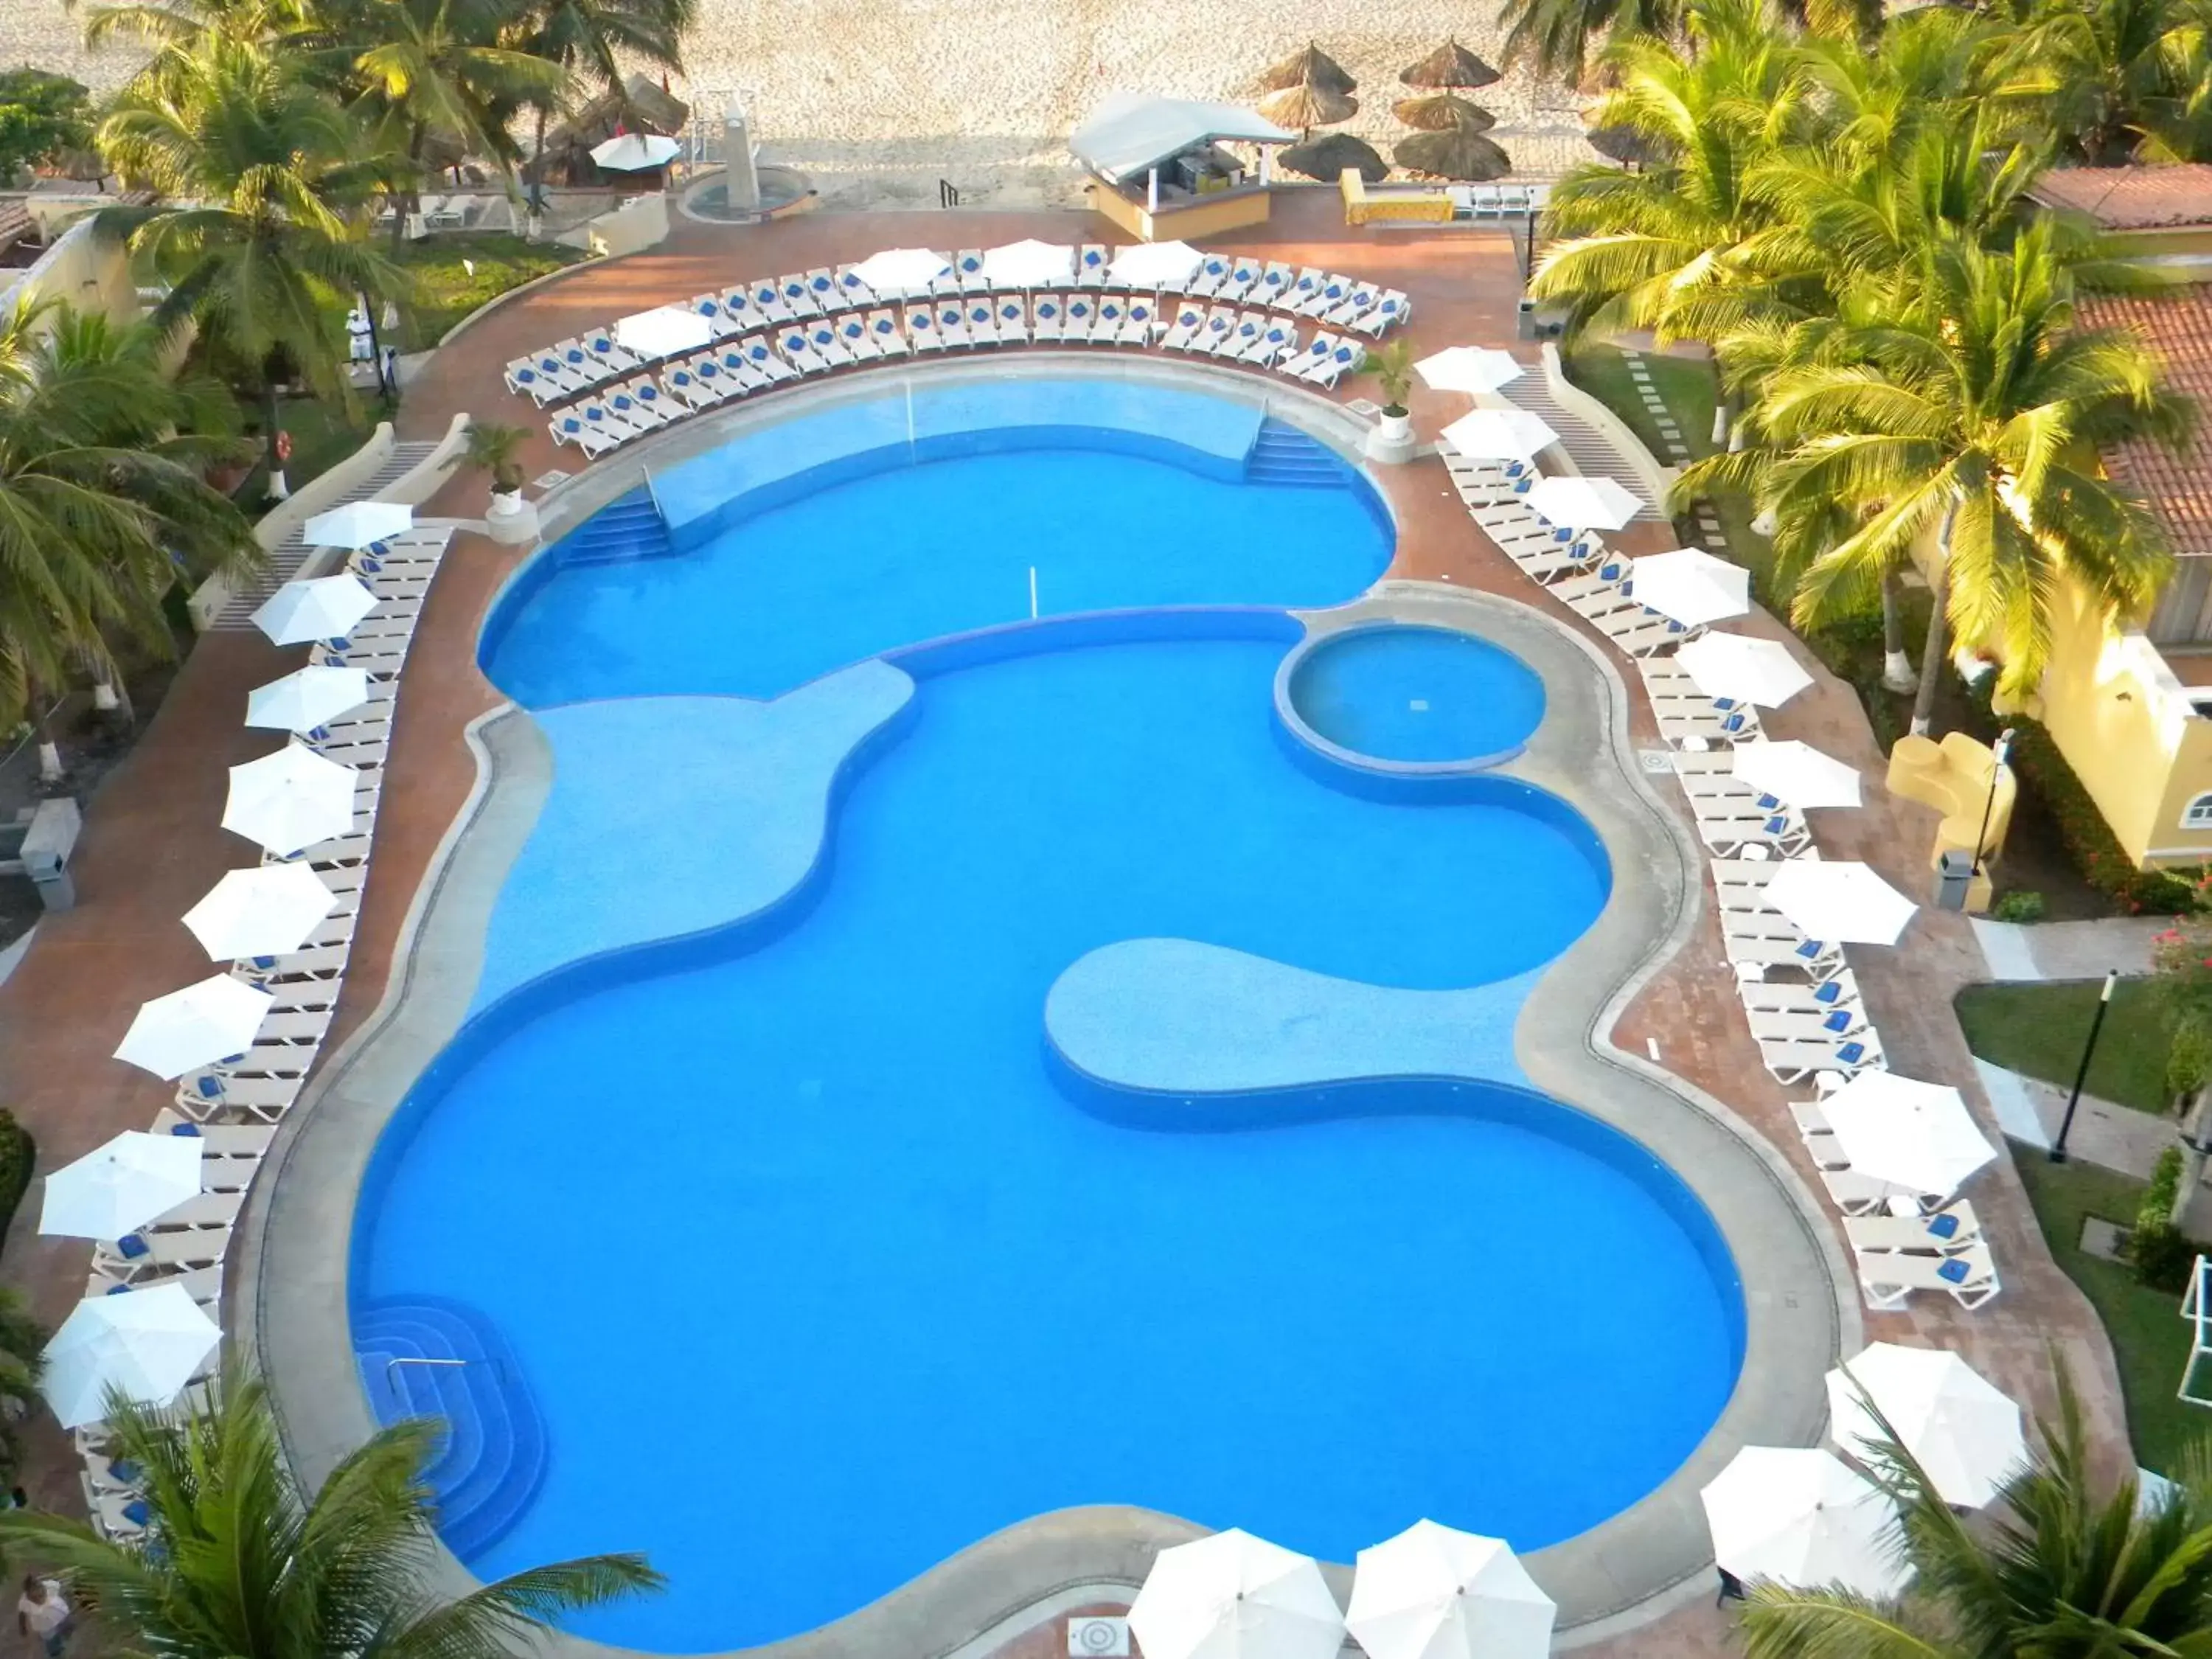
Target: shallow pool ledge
707,810
1175,1016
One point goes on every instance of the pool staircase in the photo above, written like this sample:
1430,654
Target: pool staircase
429,1356
1282,454
629,529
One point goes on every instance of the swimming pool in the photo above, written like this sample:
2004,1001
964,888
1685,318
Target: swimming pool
1422,696
1117,1110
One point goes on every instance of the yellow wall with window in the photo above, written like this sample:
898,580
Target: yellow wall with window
2125,724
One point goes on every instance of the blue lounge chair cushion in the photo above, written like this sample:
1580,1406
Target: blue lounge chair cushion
1943,1226
136,1513
1828,991
1850,1053
1809,949
1838,1021
126,1471
1776,824
1953,1270
188,1131
130,1246
526,375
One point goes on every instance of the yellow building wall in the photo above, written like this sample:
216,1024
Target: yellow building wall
2125,726
1233,211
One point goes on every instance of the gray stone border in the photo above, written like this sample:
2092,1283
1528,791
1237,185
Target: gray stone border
291,1259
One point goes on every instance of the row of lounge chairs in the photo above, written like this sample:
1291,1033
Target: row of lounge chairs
621,410
595,359
1799,997
233,1108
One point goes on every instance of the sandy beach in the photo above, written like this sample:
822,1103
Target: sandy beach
877,99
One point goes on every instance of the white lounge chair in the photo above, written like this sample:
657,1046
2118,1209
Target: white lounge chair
884,329
1090,265
1945,1233
1012,319
1889,1278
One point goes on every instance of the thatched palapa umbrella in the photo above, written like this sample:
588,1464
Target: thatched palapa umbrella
1626,146
1450,65
1443,112
1460,155
1311,67
1307,106
1326,158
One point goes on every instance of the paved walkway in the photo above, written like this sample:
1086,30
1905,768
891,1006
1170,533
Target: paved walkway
2104,1132
2069,950
152,845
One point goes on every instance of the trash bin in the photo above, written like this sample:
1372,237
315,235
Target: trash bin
1954,878
47,845
1528,318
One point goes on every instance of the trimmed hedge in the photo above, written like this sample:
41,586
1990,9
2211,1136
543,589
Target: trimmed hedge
17,1155
2156,1248
2046,778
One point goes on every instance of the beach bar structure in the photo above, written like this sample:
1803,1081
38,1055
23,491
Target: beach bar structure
1159,170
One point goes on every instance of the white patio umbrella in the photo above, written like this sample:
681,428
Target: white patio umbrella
121,1186
264,911
1691,586
1840,901
1154,265
1030,263
662,332
144,1344
357,524
1434,1592
1916,1136
290,800
1799,1516
320,608
1961,1428
1743,669
901,270
1578,503
1469,369
307,698
1796,772
1235,1596
1499,434
195,1027
635,152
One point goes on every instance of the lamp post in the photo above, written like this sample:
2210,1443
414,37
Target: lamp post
1999,753
2081,1074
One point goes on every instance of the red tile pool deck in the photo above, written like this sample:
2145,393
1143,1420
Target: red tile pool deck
152,845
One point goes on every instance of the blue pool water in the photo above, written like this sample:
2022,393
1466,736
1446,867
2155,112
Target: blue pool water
1417,694
818,1265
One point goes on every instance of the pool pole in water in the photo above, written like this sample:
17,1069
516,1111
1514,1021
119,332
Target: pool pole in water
1033,609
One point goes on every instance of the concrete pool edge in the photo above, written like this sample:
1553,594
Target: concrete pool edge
1625,1574
1800,1309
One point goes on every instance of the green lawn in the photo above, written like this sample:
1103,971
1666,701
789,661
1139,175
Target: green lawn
2149,1338
2039,1030
448,290
322,432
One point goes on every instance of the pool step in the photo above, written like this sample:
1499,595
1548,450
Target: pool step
1282,454
630,528
491,1458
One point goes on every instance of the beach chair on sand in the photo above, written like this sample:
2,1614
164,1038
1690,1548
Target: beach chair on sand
1889,1278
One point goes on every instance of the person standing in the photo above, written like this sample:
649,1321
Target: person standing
43,1615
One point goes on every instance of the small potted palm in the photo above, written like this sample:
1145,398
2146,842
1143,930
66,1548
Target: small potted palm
497,449
1392,369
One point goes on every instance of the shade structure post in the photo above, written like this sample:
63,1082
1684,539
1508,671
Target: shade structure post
1999,753
1266,166
1152,190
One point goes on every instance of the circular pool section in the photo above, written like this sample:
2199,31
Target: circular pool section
1418,695
804,1266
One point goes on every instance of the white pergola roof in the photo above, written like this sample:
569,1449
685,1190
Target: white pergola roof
1131,134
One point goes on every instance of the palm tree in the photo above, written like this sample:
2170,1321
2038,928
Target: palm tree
1961,426
2111,79
2065,1572
1662,249
22,1341
265,182
103,501
250,1566
437,71
591,36
1553,37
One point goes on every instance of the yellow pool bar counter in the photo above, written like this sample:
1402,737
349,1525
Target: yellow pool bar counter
1158,169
